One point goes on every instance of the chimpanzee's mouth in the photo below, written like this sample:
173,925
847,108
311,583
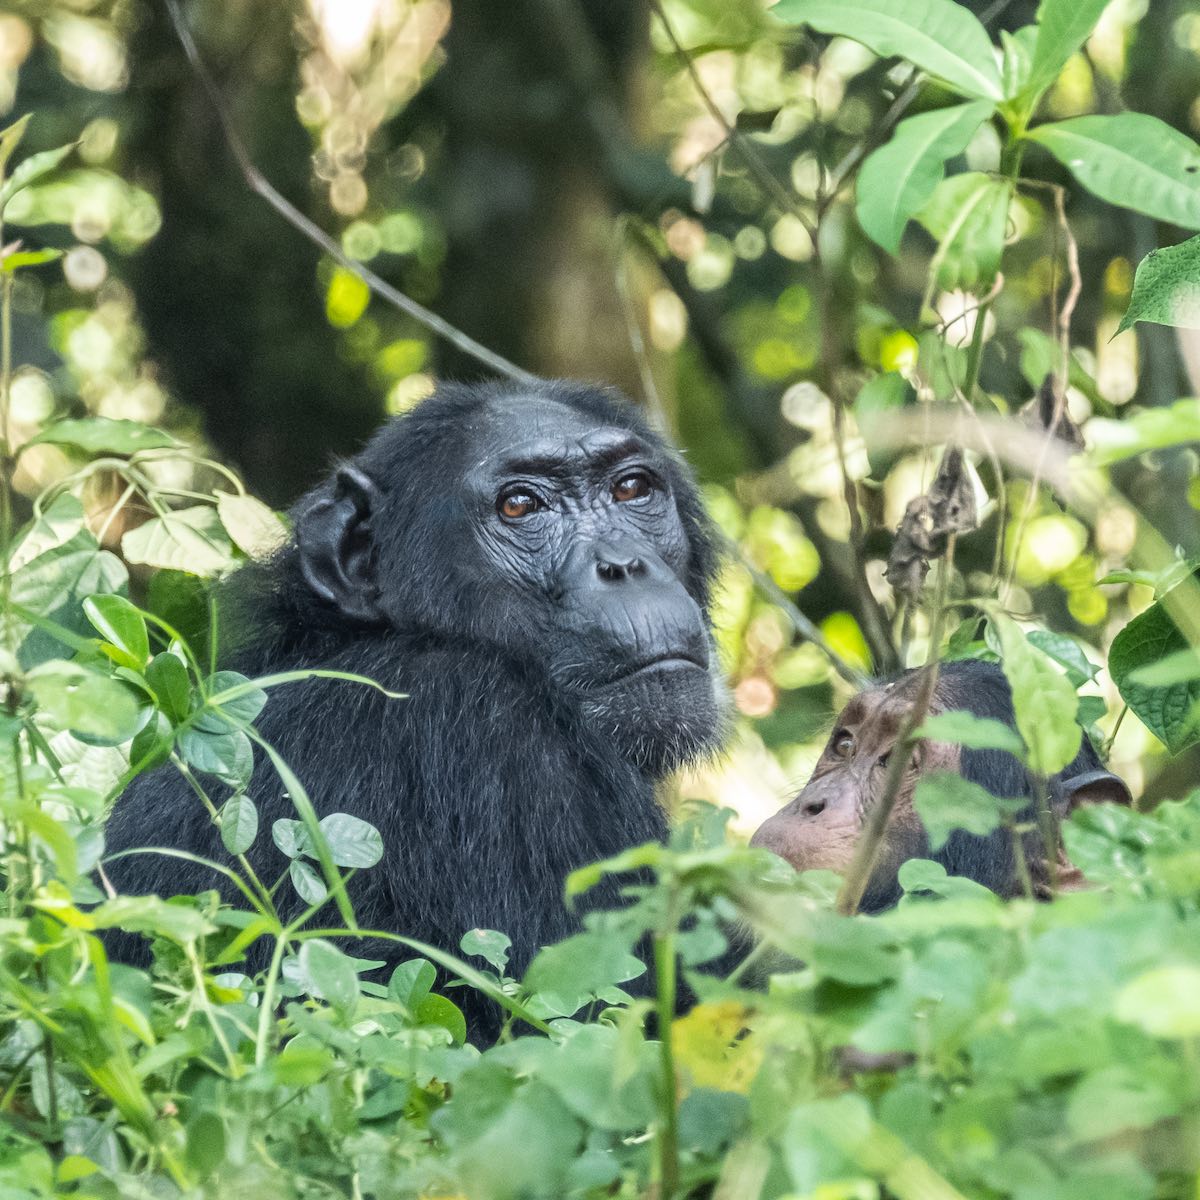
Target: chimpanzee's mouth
663,664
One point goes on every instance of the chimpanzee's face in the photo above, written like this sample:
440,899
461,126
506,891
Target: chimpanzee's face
820,827
578,522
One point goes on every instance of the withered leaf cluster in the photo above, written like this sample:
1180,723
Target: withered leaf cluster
948,507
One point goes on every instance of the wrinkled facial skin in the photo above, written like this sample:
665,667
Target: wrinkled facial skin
578,519
820,827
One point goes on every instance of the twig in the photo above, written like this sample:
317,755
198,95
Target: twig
259,184
866,851
762,173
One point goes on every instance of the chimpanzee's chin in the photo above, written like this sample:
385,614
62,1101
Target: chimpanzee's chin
660,719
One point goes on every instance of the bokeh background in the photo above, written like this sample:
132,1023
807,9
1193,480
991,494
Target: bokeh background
551,177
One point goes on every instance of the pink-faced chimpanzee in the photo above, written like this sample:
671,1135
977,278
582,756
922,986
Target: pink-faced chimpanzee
820,826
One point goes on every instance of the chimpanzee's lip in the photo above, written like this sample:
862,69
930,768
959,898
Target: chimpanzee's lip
663,663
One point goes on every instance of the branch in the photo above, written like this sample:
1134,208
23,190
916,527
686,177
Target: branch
260,185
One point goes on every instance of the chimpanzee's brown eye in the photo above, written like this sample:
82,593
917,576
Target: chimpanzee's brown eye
631,487
515,505
843,743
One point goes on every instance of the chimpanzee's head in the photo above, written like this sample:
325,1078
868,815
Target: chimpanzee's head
820,827
548,522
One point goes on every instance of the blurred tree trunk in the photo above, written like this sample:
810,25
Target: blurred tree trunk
240,330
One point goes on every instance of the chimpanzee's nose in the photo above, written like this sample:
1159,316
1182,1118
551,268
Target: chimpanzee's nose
615,564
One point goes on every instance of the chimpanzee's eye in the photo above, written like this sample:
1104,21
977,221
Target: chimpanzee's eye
843,743
633,486
514,505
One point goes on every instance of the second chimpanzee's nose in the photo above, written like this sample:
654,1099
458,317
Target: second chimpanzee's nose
615,564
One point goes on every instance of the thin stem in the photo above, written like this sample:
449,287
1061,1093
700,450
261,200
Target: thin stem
668,1137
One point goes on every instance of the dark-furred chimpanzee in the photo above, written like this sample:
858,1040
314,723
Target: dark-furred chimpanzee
530,564
820,826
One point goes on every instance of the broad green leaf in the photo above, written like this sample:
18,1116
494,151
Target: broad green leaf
1016,62
1067,652
885,392
291,837
1043,699
939,36
20,259
310,887
72,697
10,138
153,743
1166,288
150,914
1132,160
329,974
968,215
51,527
30,170
488,944
945,801
352,842
1150,429
566,976
189,539
899,177
1167,710
1164,1001
1181,667
412,981
232,700
169,678
977,733
257,531
227,755
239,823
445,1014
120,623
204,1145
104,435
1062,28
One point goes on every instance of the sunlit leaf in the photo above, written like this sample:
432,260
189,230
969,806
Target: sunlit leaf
20,259
939,36
103,435
1164,1001
72,697
256,530
968,216
352,842
488,944
239,823
1166,288
120,623
899,177
945,801
188,539
11,137
1062,28
1132,160
30,170
977,733
329,974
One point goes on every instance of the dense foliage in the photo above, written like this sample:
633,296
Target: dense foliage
957,1046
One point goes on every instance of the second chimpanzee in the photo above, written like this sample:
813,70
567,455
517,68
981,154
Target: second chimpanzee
531,566
820,826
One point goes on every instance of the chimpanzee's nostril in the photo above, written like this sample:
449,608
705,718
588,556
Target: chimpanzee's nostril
814,808
612,568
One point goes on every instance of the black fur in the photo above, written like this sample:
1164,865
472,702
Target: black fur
487,783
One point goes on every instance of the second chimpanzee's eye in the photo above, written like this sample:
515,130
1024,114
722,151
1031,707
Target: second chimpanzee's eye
843,743
514,505
631,487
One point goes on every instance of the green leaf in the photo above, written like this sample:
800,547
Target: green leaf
329,974
72,697
232,700
352,842
308,884
291,837
11,137
1044,700
1168,710
11,263
121,624
169,679
1166,288
885,392
977,733
968,215
257,531
1132,160
444,1014
1067,652
899,177
1150,429
229,755
204,1149
939,36
239,823
566,976
189,539
31,170
411,982
488,944
103,435
945,801
1164,1001
1062,28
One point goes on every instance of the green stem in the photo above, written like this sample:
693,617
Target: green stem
668,1137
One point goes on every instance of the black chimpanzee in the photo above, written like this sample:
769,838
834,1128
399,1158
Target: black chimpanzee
821,825
531,565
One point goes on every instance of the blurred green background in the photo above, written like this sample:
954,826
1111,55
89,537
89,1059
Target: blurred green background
549,176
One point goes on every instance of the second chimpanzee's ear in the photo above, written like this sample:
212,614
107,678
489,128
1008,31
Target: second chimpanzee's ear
1092,787
334,537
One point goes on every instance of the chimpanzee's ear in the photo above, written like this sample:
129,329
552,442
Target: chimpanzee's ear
334,537
1092,787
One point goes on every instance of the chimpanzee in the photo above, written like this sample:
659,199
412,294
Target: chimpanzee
531,565
821,825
